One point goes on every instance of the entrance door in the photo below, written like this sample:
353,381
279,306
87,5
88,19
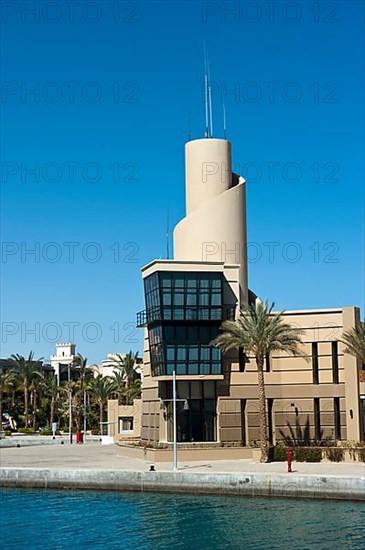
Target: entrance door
196,417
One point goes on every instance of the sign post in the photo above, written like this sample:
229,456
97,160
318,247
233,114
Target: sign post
54,429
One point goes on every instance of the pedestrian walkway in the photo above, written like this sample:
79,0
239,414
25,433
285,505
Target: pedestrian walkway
97,456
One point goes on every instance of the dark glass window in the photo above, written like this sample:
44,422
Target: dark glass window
317,420
193,296
267,361
173,298
335,362
241,360
270,407
337,419
315,367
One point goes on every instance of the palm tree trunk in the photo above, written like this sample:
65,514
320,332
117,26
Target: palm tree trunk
26,404
81,394
262,410
51,414
1,408
101,416
34,410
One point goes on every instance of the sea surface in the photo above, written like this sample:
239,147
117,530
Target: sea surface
34,519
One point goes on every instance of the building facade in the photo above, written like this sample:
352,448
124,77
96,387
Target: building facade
109,365
124,421
187,299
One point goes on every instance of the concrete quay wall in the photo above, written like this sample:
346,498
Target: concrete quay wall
268,485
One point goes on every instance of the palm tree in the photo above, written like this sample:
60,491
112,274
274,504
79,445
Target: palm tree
101,387
7,381
259,332
69,392
34,388
26,369
52,390
127,366
119,386
354,339
80,362
133,392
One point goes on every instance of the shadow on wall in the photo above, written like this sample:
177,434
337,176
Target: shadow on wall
300,436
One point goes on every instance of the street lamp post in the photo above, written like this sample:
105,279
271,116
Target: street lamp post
174,418
84,416
70,404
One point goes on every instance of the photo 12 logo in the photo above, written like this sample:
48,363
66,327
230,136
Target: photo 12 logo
69,251
270,252
270,11
69,11
69,92
69,171
52,332
272,92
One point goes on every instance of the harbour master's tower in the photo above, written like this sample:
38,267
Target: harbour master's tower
189,296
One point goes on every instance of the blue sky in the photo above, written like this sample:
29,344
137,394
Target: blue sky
105,132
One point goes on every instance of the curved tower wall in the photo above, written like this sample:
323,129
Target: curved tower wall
214,229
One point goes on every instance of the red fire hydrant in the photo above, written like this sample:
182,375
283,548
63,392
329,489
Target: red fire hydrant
289,458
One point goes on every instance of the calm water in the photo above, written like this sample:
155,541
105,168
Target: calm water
84,520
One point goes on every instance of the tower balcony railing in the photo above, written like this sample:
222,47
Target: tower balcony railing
184,313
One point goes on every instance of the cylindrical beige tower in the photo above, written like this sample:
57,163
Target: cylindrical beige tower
214,229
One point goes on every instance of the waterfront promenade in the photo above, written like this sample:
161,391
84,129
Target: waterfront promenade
110,457
94,466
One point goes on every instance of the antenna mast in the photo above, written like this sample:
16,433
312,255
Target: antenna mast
206,93
210,100
224,120
167,236
189,124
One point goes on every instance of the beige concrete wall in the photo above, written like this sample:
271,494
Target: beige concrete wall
290,384
214,228
116,411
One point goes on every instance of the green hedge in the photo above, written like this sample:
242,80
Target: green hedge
26,431
277,453
307,454
49,432
335,454
359,454
8,433
300,454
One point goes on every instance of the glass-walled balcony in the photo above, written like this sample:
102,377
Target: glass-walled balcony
180,296
185,349
184,311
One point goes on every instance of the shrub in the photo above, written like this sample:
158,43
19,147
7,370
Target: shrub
8,433
26,431
277,453
307,454
358,453
49,432
335,454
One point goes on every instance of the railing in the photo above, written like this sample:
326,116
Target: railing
185,313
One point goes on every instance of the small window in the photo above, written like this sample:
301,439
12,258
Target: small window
125,424
241,360
315,366
267,361
317,420
335,362
337,414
